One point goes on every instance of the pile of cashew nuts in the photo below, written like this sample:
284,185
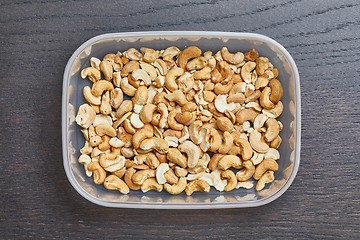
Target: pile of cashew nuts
181,120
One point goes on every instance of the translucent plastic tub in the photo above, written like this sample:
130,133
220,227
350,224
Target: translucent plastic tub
72,139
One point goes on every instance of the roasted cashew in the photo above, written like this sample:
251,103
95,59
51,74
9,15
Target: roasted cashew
222,105
197,186
257,143
227,143
107,129
267,177
93,74
231,180
175,156
187,54
224,124
139,136
146,113
265,165
151,184
192,151
153,143
140,176
128,179
229,161
232,58
99,173
173,124
177,96
215,140
176,188
276,91
245,148
247,172
141,96
273,129
85,116
127,88
90,98
246,115
105,107
100,86
113,182
170,78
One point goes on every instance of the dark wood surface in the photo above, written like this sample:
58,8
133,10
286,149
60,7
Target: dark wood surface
37,39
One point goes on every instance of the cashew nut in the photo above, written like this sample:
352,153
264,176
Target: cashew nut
100,86
146,113
85,160
276,91
246,71
85,116
247,172
245,148
232,58
140,176
107,129
170,78
176,188
224,124
227,143
265,165
246,115
231,180
175,156
151,184
90,98
177,96
113,182
187,54
197,186
105,107
128,179
127,88
92,73
146,132
267,177
106,67
173,124
153,143
273,129
99,173
141,74
192,152
222,105
229,161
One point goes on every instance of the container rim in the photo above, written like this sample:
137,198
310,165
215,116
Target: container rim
182,34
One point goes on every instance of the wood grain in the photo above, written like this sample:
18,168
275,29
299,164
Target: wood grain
38,37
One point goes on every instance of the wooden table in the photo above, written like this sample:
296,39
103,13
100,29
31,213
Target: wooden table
37,39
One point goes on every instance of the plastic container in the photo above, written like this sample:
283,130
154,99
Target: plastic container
72,139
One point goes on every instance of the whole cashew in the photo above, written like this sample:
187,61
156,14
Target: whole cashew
105,107
151,184
129,68
265,165
128,179
215,140
262,64
265,99
127,88
192,151
113,182
90,98
106,67
257,143
229,161
99,173
146,113
227,143
247,172
245,148
267,177
103,129
276,91
273,129
93,74
170,78
187,54
232,58
141,96
175,156
116,98
173,124
246,115
177,96
153,143
176,188
100,86
125,107
231,180
139,136
224,124
197,186
140,176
